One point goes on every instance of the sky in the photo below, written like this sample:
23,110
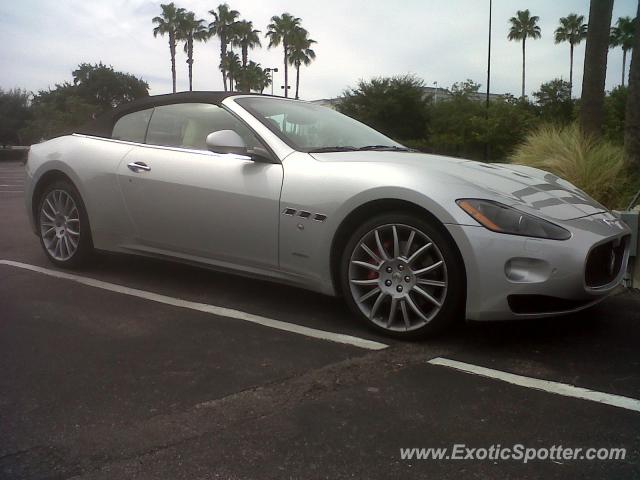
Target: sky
438,41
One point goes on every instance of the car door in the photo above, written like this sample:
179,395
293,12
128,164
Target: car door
186,200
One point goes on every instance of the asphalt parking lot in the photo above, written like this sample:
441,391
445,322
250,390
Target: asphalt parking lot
135,368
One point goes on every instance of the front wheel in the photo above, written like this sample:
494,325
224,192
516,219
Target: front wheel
63,225
402,275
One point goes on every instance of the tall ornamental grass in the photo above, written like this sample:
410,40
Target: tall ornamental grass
593,165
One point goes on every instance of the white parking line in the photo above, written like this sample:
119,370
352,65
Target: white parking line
203,307
544,385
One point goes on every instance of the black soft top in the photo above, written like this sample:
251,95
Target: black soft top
102,126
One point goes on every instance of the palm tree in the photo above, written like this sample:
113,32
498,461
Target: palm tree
622,36
632,117
190,30
231,65
572,29
168,23
524,26
595,67
246,38
281,30
254,78
263,79
222,27
301,53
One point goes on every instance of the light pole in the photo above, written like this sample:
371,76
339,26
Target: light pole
435,95
271,71
486,145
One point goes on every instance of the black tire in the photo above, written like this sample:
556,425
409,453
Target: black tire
453,293
84,250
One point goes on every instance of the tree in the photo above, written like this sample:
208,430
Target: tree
466,89
396,106
459,125
615,103
573,30
106,88
254,78
263,78
301,53
191,30
281,31
231,64
523,26
453,129
168,23
509,121
595,67
554,101
632,119
622,36
246,38
14,115
222,27
95,89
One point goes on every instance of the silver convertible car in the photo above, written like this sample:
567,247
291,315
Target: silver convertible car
298,193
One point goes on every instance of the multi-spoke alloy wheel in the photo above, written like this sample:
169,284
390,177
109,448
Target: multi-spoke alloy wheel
398,277
63,225
60,225
403,276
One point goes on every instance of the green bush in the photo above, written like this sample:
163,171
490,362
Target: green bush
595,166
554,103
396,106
614,113
419,144
459,125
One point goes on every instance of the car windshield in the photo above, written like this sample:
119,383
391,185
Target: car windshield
313,128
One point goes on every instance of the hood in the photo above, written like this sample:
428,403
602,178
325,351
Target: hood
527,188
537,190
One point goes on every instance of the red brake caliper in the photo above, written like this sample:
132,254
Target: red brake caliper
371,274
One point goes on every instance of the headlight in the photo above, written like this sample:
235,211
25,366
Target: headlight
503,219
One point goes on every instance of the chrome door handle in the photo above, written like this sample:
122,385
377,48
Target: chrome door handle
138,167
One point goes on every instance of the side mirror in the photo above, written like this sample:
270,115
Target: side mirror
226,141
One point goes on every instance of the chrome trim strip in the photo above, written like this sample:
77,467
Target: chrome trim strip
164,147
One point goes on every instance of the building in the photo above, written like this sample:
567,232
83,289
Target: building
438,94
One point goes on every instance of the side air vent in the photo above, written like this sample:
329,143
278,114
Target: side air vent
304,214
319,217
289,211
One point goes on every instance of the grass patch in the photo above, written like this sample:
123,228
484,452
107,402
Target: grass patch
593,165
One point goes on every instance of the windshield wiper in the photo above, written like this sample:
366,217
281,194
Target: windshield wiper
381,148
332,149
384,148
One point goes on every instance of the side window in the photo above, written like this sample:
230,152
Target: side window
186,125
132,127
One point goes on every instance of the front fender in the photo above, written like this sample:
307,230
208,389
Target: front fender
334,190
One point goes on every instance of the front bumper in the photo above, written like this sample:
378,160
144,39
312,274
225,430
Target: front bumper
510,277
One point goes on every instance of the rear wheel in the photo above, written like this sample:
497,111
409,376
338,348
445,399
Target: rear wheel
402,275
63,225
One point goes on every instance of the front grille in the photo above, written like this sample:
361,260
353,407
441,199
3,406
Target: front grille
604,262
